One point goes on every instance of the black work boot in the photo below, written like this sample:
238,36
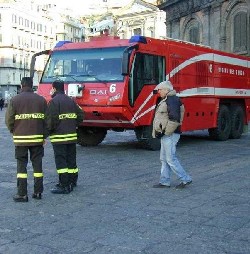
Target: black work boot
59,185
71,186
37,195
60,190
19,198
74,184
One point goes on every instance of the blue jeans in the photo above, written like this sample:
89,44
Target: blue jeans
169,160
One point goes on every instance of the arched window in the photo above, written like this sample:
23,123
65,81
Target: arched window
192,31
194,35
240,32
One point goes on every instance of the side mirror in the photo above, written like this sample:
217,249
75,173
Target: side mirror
33,61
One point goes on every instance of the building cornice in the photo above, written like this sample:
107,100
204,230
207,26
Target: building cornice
179,8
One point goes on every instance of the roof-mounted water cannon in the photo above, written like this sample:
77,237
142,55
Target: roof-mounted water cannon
103,27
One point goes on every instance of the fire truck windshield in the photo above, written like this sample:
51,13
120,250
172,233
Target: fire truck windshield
85,65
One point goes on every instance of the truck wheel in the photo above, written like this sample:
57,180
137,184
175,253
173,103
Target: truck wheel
237,119
90,136
223,129
144,136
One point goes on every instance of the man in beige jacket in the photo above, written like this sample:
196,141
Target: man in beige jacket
166,126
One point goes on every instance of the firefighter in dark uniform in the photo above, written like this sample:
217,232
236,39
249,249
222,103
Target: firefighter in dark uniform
25,119
63,117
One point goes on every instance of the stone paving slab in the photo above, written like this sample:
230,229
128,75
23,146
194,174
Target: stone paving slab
115,210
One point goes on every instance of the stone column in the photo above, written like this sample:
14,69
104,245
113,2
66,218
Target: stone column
206,28
216,31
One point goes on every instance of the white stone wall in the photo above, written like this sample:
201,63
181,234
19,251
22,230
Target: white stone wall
19,41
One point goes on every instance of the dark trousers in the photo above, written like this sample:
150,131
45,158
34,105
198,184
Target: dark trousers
65,159
36,155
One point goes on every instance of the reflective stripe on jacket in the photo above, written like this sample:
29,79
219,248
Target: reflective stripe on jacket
25,118
29,116
63,137
63,117
28,139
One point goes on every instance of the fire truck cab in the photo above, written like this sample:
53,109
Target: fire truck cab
112,79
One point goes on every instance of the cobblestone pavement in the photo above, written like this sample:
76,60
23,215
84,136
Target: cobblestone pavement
115,210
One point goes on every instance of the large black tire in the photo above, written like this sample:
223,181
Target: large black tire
223,129
237,119
87,136
144,136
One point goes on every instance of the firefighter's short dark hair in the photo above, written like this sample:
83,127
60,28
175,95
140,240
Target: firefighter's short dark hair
58,85
27,82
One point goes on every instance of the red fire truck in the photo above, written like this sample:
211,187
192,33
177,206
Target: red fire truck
112,79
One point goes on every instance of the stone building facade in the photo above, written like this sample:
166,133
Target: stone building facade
141,18
221,24
136,18
26,28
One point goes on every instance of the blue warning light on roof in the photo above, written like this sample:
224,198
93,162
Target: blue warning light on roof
138,38
61,43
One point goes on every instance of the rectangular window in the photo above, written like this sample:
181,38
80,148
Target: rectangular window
39,27
146,70
149,68
240,33
20,21
26,23
13,18
194,35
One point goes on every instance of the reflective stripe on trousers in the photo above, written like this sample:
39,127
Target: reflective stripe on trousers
36,155
65,159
